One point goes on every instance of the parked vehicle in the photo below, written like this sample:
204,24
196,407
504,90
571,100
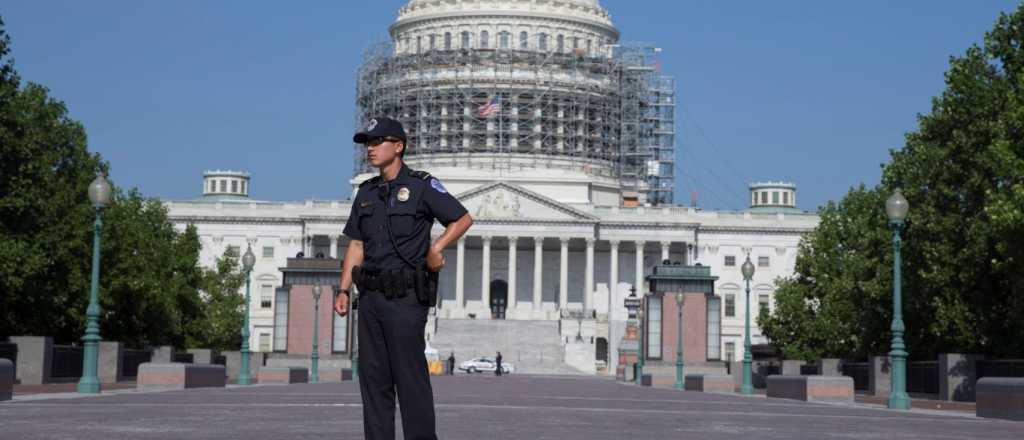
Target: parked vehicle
485,364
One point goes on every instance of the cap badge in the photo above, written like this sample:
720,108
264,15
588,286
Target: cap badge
371,125
403,194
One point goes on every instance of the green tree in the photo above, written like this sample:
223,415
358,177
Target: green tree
149,284
219,326
963,257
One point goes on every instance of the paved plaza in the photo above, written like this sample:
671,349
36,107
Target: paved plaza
476,407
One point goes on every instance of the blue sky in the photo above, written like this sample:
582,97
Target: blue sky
813,92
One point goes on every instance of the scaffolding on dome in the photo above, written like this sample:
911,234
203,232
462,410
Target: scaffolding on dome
608,112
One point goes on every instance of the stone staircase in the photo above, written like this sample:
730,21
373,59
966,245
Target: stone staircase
533,347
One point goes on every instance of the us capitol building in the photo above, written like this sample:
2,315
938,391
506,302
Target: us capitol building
560,140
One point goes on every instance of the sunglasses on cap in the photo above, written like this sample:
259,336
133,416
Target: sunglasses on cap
377,140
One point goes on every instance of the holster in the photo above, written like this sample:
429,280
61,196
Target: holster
425,284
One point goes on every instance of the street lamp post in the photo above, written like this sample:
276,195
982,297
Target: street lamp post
248,261
679,340
748,386
896,208
99,195
314,371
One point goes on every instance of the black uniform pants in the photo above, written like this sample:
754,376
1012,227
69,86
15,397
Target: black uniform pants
391,357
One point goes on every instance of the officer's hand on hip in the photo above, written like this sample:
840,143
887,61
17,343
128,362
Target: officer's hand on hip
341,304
435,260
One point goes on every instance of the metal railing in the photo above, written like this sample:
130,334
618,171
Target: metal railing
66,361
184,358
923,377
994,368
131,361
9,351
860,372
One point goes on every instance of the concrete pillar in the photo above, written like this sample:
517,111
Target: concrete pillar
639,283
334,246
958,374
613,278
460,273
588,280
202,355
233,361
665,247
879,382
35,356
163,354
563,279
485,275
110,360
538,259
791,367
512,272
831,367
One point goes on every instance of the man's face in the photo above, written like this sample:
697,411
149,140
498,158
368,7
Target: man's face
381,151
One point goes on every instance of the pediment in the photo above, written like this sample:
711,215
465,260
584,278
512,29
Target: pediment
503,201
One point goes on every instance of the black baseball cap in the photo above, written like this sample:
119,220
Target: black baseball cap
380,127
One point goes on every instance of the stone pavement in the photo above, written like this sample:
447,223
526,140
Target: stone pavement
475,407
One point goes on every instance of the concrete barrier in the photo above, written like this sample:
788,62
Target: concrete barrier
283,375
163,354
957,376
6,379
830,367
709,383
110,361
878,376
1000,398
792,368
233,359
812,388
335,374
180,376
35,358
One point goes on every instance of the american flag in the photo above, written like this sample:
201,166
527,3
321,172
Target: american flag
493,106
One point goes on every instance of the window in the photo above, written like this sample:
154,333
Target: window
266,295
763,302
503,40
524,40
714,329
268,252
484,39
730,305
764,197
281,320
561,43
730,351
213,186
433,42
465,40
234,186
763,262
730,261
785,198
243,187
542,42
419,44
223,186
339,340
447,41
576,42
755,199
264,342
588,47
775,197
653,327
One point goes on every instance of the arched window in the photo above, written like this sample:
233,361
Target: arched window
503,40
465,40
447,41
524,40
542,42
561,44
484,40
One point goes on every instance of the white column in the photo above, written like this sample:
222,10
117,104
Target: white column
334,246
485,276
665,246
460,273
512,273
538,266
613,279
639,283
588,280
563,279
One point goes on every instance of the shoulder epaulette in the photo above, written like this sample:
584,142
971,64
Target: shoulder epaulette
420,174
371,180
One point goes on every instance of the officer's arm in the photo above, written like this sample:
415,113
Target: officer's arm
452,232
353,258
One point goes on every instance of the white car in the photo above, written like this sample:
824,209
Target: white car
485,364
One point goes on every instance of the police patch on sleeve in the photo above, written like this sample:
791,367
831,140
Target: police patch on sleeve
436,184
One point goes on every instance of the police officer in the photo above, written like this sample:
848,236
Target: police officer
389,226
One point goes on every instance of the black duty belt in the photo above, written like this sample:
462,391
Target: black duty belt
393,283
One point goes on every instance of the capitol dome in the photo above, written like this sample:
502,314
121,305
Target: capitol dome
539,93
